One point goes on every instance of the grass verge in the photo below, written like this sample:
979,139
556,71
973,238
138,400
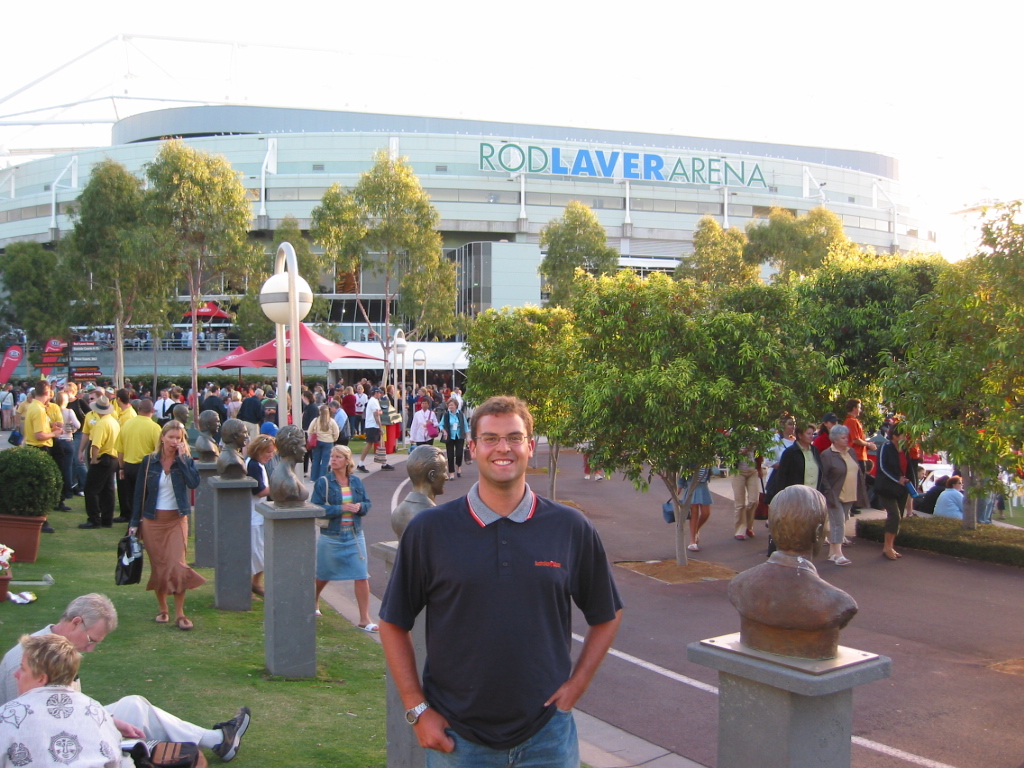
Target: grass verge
203,676
989,543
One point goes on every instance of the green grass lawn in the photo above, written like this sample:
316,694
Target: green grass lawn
203,676
1014,515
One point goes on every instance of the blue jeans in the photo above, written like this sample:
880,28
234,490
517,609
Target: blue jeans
985,508
320,461
554,746
81,470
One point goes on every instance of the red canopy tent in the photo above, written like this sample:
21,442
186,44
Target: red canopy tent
312,346
228,361
209,310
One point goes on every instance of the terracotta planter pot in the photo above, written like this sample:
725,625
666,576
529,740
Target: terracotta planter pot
22,534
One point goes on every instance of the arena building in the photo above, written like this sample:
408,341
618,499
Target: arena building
494,184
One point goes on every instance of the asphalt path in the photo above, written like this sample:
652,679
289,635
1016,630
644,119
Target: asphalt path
943,621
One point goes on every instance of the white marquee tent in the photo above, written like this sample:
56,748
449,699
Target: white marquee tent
419,356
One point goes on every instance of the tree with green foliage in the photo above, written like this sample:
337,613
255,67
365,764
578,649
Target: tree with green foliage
198,206
959,385
36,286
672,380
254,327
112,245
387,225
576,240
853,306
531,353
718,256
797,245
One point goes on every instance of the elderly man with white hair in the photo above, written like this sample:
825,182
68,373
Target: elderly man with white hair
86,622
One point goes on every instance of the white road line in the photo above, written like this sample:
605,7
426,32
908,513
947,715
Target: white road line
909,757
398,490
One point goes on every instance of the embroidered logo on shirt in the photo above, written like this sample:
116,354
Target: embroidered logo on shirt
548,563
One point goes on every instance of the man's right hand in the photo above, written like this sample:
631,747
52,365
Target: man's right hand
430,731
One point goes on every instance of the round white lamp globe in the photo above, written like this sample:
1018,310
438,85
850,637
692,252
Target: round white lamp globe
274,298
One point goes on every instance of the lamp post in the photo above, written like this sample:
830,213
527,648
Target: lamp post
286,299
399,348
419,357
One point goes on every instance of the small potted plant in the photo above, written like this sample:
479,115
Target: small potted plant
6,558
31,486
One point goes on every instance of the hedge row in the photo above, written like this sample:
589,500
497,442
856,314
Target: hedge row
989,543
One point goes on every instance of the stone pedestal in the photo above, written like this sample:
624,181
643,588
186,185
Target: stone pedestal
783,712
232,584
203,527
404,750
289,562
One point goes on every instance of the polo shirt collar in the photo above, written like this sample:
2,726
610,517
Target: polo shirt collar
484,515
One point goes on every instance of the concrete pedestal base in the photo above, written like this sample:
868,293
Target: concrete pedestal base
289,561
232,585
778,712
205,547
404,750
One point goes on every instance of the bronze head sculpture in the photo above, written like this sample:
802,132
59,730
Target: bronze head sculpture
428,471
234,435
784,606
286,488
206,442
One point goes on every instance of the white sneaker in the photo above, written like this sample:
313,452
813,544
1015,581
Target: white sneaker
586,477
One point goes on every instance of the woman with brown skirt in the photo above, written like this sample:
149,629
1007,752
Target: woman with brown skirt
162,506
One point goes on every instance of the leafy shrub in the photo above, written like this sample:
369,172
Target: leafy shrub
30,482
989,543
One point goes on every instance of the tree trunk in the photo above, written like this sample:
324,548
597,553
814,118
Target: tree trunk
680,505
118,352
971,501
553,450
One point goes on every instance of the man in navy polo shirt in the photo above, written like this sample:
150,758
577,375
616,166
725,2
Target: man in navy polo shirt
497,571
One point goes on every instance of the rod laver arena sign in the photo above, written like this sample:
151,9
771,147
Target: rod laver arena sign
620,164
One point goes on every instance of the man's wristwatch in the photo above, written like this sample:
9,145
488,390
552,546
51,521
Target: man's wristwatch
412,716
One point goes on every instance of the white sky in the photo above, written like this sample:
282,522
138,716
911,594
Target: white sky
933,86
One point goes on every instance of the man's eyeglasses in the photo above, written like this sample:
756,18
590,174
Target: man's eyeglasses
516,438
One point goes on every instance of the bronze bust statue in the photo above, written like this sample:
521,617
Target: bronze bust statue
234,435
206,442
428,471
286,488
785,607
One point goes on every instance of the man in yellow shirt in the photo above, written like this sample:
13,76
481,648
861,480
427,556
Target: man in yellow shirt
125,411
99,491
138,437
42,423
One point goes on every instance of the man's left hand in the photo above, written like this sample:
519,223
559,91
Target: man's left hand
566,696
128,730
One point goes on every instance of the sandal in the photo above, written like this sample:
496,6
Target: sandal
371,627
891,555
162,618
693,548
184,624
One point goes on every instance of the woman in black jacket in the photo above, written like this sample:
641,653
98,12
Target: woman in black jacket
891,488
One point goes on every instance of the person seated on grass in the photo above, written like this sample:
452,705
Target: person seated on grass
85,623
51,722
927,501
951,500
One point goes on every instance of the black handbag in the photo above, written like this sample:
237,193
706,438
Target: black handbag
129,562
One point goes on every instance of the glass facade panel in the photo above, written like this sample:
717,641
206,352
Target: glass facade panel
282,193
714,209
741,210
443,195
538,198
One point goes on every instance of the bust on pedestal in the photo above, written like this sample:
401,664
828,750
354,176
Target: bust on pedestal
428,471
289,562
785,684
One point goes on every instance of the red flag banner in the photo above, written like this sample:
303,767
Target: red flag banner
11,359
51,354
